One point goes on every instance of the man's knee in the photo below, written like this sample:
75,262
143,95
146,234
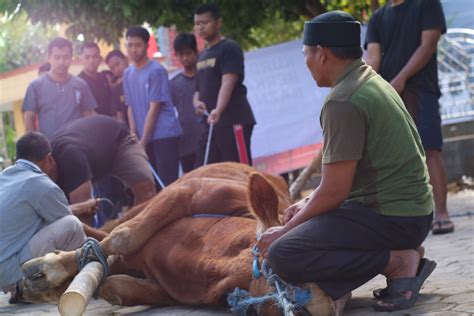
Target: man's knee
143,191
74,230
281,261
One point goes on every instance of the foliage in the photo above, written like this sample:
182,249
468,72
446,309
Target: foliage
250,22
21,43
9,133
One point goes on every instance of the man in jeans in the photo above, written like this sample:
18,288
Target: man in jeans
402,38
151,112
35,217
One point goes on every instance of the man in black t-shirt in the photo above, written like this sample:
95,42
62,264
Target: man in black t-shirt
401,42
95,147
117,63
220,91
97,81
182,90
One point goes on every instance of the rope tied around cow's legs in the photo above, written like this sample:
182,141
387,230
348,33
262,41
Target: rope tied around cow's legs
289,298
90,252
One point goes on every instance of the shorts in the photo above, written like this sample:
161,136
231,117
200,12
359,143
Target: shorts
131,163
424,109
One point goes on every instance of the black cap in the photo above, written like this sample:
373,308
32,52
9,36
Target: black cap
332,29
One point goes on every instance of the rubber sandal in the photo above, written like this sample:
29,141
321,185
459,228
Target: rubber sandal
437,227
382,293
397,287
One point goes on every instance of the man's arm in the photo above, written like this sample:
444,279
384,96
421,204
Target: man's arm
150,121
336,184
199,106
30,121
86,207
88,113
429,43
225,92
131,121
374,55
81,193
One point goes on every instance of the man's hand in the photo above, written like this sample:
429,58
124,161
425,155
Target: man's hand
398,83
199,108
214,117
292,210
269,236
142,142
134,137
85,208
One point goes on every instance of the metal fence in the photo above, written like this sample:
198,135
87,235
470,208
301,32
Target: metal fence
456,73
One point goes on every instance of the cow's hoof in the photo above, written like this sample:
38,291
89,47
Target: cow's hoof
321,304
45,273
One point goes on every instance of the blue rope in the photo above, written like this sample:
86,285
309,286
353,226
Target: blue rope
91,251
288,297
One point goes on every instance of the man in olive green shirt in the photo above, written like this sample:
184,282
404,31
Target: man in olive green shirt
373,208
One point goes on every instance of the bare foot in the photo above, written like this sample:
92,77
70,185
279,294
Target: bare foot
421,251
341,303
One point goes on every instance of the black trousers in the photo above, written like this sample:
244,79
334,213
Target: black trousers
227,144
345,248
164,157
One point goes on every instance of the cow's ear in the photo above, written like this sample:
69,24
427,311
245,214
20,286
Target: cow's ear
263,200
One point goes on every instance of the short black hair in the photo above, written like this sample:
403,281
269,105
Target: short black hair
208,8
351,52
138,31
59,42
44,68
185,41
114,53
89,45
33,146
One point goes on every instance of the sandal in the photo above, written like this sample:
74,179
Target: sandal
394,293
442,227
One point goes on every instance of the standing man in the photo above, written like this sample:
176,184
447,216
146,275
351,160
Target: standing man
97,81
58,97
374,206
401,40
117,63
182,91
151,112
220,91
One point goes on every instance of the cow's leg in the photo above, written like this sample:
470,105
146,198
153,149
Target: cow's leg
192,197
213,196
125,290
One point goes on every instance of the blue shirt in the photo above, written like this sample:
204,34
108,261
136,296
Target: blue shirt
57,103
150,84
29,202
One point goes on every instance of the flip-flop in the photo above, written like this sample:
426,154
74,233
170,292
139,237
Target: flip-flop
394,292
439,227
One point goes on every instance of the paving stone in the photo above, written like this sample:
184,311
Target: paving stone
449,291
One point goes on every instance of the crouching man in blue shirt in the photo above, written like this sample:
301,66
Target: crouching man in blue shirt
35,217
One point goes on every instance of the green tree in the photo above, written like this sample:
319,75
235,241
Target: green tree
107,19
21,42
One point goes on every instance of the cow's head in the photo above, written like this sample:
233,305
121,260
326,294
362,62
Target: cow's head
263,200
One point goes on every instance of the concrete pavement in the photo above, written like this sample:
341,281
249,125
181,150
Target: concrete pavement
448,291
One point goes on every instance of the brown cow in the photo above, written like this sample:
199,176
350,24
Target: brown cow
186,260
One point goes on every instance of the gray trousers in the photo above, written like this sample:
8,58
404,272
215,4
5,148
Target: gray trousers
345,248
64,234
